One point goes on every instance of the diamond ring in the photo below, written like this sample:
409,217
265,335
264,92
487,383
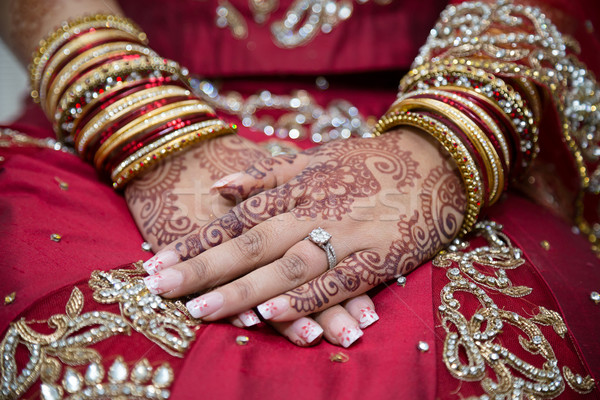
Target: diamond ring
321,238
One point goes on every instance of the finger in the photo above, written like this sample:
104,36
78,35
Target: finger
301,263
354,275
239,256
339,326
245,320
362,309
303,332
266,173
238,220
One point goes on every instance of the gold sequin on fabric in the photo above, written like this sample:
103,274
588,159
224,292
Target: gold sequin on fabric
10,298
165,322
339,357
482,337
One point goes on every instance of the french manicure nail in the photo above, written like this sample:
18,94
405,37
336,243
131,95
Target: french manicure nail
349,335
367,317
160,261
224,181
273,307
164,281
307,330
205,304
249,318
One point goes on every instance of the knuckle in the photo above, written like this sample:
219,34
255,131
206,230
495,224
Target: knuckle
251,244
293,268
244,290
201,270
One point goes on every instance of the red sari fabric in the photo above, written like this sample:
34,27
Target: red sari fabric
99,234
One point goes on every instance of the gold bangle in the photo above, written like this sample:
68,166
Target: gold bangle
480,112
123,107
468,168
141,165
144,151
99,77
50,91
146,121
54,40
481,142
483,98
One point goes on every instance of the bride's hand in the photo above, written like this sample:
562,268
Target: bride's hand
173,200
389,203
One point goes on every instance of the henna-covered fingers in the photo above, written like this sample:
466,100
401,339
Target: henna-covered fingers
266,173
301,263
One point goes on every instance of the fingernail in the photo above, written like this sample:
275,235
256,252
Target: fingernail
307,330
273,307
205,305
160,261
164,281
224,181
349,335
249,318
367,317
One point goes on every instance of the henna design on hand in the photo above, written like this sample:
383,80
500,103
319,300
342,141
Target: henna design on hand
227,156
339,173
422,235
155,193
327,189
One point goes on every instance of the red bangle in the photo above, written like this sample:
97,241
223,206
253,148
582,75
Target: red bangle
147,137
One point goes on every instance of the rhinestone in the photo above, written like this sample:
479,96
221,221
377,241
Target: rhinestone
10,298
423,346
94,373
118,371
146,246
545,244
401,281
242,340
72,381
595,297
55,237
50,392
163,376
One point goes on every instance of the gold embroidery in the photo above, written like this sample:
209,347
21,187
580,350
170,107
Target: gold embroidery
577,382
480,337
165,322
302,22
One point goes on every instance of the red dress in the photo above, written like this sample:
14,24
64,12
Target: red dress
538,316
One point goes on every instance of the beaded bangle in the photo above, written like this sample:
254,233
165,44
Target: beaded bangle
75,47
145,121
122,164
495,134
494,88
183,143
457,150
100,84
83,62
122,107
53,41
490,158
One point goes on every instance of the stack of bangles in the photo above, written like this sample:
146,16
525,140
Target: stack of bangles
122,107
488,125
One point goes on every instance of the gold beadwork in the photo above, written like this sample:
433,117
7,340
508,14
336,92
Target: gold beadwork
482,336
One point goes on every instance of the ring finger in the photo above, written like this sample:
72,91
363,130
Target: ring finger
301,263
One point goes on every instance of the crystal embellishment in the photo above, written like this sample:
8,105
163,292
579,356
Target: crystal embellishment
319,236
142,372
94,373
118,371
72,381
